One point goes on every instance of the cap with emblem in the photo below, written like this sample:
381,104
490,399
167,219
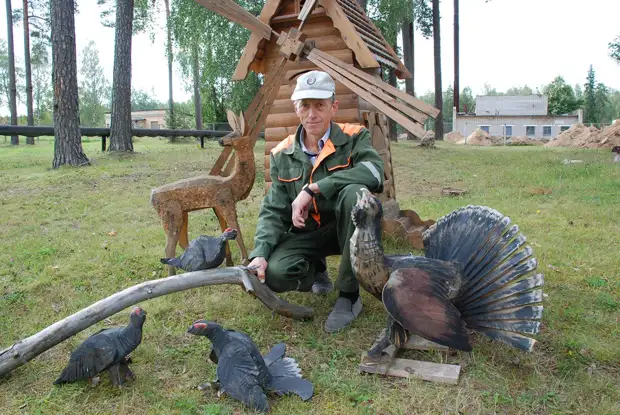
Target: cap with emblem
314,84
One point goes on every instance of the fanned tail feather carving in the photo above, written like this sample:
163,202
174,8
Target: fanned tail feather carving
499,296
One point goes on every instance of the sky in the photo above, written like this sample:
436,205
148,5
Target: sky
503,43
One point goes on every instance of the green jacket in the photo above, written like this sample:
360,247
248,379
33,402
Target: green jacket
347,157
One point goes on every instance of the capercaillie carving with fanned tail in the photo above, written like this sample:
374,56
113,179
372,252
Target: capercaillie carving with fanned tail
476,275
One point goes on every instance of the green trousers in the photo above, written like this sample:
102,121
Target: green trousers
293,263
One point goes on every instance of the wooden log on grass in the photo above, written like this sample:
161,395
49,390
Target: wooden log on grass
27,349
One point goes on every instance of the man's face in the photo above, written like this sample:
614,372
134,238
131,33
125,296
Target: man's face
316,114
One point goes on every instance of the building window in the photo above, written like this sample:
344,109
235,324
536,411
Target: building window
154,125
530,130
564,128
484,128
546,131
508,130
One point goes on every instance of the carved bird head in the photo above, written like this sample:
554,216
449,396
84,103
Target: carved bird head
229,234
367,211
137,316
203,327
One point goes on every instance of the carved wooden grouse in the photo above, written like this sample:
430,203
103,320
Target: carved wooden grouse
106,350
204,252
473,276
244,374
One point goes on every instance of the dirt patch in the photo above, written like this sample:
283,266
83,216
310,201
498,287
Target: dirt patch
609,137
578,135
453,137
522,140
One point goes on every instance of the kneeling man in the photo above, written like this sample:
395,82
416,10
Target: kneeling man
306,214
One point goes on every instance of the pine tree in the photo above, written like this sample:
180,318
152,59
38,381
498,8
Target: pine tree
589,95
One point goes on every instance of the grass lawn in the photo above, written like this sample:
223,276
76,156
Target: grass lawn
57,256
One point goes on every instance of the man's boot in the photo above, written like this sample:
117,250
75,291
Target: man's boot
322,284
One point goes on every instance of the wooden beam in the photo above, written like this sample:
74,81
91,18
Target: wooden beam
378,90
405,368
306,10
235,13
380,104
411,100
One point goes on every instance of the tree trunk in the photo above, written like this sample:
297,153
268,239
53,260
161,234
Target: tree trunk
29,105
408,52
438,93
456,56
12,83
27,349
120,125
169,52
197,98
67,139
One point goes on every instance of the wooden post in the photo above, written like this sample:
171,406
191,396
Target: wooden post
103,144
202,141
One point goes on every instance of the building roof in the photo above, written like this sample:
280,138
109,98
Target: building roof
511,105
357,30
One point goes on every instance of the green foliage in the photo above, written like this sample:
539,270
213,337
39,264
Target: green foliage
40,62
467,100
4,76
389,15
614,49
218,44
142,100
93,87
561,96
143,16
519,90
590,112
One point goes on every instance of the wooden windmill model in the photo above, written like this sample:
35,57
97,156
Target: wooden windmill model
337,37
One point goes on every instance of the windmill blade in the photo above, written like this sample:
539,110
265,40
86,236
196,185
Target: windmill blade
235,13
406,110
306,11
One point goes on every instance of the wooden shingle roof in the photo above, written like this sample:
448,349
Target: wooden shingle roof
356,29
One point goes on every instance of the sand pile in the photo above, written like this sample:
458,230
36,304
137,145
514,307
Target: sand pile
453,137
578,135
479,138
522,140
609,137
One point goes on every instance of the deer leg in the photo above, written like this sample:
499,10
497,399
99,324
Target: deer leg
173,222
183,234
230,214
224,225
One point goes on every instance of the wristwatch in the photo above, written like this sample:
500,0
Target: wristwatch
307,189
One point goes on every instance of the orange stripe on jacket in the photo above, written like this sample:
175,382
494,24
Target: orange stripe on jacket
283,145
350,129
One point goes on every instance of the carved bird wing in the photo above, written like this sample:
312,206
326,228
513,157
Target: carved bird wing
418,300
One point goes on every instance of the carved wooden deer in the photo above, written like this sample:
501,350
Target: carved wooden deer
173,201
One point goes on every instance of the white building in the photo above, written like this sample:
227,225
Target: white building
511,116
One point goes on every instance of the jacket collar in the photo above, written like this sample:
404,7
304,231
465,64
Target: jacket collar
336,136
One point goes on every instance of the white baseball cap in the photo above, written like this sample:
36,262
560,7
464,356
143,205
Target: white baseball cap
314,84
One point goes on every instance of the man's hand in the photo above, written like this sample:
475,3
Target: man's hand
258,266
300,208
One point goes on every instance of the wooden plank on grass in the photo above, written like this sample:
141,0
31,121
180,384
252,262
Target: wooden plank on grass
405,368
